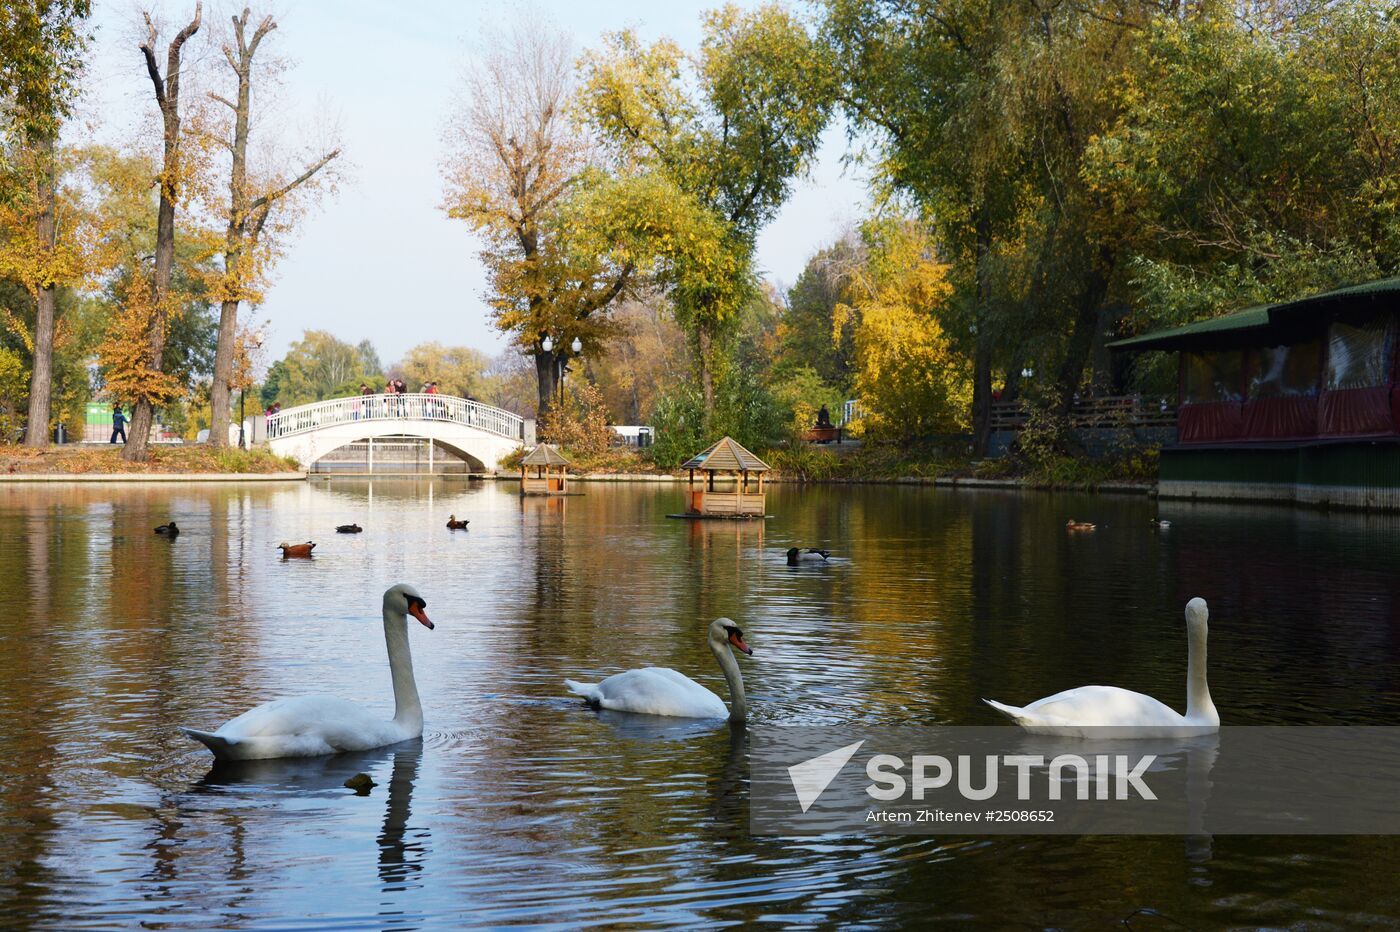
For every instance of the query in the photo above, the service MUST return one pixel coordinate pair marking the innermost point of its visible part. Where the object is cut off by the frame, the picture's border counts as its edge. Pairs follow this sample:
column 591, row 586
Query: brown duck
column 296, row 550
column 455, row 525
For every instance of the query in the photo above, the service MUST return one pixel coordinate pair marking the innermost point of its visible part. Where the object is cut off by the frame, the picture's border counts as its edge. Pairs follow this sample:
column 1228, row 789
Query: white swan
column 661, row 691
column 308, row 726
column 1075, row 711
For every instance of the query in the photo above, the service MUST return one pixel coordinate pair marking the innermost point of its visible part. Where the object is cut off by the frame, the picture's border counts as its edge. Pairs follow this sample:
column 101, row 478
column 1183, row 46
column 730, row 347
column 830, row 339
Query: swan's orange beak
column 416, row 610
column 737, row 640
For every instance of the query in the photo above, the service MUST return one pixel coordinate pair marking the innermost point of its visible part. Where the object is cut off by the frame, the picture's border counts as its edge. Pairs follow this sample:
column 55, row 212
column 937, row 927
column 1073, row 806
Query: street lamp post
column 243, row 392
column 547, row 344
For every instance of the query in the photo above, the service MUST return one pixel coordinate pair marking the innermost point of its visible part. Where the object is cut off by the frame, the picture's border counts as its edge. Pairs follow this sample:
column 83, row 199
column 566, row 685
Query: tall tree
column 247, row 211
column 153, row 315
column 41, row 46
column 731, row 127
column 518, row 163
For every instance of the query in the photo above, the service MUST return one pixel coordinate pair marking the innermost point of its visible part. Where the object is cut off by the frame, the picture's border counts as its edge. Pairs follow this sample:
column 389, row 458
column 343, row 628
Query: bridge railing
column 420, row 407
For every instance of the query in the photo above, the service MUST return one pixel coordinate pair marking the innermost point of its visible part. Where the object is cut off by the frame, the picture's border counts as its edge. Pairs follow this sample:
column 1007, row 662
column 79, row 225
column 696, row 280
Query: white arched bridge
column 474, row 432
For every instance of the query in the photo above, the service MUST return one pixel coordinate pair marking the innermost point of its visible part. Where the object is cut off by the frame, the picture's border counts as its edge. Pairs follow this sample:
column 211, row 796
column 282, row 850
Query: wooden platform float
column 731, row 466
column 550, row 470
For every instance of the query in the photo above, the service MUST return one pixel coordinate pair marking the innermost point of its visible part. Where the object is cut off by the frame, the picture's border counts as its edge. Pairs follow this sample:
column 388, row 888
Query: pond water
column 519, row 806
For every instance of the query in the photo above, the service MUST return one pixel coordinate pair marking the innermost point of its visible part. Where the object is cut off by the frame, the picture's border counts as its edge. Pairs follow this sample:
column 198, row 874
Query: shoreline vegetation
column 88, row 460
column 1134, row 468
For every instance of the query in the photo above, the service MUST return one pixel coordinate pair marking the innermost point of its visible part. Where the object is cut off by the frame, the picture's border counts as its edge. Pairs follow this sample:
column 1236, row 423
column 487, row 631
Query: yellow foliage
column 909, row 380
column 125, row 353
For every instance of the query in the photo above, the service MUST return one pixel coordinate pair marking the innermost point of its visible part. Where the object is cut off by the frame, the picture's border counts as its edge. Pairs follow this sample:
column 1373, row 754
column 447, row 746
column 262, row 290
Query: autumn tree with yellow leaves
column 729, row 128
column 256, row 195
column 145, row 321
column 41, row 46
column 910, row 381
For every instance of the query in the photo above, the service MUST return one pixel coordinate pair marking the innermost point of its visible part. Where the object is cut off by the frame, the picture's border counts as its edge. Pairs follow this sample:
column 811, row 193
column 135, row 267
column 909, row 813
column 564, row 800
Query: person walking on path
column 118, row 423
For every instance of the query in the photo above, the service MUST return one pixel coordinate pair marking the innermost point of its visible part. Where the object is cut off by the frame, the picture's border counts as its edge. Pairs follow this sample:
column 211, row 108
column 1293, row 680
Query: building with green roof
column 1296, row 401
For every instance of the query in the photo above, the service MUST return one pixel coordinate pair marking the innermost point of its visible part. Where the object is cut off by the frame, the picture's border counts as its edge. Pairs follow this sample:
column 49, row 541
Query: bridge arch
column 480, row 434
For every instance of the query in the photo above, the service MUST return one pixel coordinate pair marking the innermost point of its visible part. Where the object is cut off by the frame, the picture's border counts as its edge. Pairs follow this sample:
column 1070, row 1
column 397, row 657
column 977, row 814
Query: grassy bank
column 79, row 459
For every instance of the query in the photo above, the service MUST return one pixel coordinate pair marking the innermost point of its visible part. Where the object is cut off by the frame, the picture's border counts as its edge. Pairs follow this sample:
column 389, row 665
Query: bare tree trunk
column 1081, row 340
column 547, row 369
column 167, row 91
column 704, row 345
column 219, row 390
column 46, row 301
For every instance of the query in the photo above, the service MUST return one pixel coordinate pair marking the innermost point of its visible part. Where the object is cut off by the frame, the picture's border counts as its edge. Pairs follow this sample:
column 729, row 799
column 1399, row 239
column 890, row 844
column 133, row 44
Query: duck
column 1078, row 712
column 454, row 525
column 795, row 554
column 296, row 550
column 1159, row 524
column 1074, row 525
column 312, row 726
column 663, row 691
column 169, row 530
column 348, row 529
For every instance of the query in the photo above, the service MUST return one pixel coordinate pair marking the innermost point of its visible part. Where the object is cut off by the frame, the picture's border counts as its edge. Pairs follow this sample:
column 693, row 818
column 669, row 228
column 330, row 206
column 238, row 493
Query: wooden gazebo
column 732, row 466
column 544, row 471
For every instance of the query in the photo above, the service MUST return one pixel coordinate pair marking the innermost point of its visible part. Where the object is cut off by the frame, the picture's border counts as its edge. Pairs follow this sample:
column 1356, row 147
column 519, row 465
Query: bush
column 580, row 423
column 748, row 412
column 801, row 393
column 677, row 427
column 803, row 461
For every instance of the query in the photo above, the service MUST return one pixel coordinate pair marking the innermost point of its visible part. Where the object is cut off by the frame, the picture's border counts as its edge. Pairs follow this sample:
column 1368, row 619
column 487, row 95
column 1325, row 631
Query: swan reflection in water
column 1192, row 757
column 402, row 849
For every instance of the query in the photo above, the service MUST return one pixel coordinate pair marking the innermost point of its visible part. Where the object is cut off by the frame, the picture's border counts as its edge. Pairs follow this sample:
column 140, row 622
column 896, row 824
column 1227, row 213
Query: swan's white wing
column 659, row 691
column 304, row 726
column 1106, row 706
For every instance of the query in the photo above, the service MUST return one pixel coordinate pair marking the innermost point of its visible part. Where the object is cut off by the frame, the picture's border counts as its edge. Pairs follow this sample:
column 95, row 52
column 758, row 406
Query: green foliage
column 316, row 367
column 458, row 370
column 814, row 333
column 730, row 128
column 744, row 410
column 41, row 59
column 747, row 411
column 803, row 461
column 800, row 393
column 678, row 423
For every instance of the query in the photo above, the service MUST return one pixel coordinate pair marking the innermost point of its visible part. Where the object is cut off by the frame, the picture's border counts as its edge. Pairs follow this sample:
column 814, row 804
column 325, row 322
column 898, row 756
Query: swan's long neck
column 1198, row 704
column 738, row 708
column 408, row 712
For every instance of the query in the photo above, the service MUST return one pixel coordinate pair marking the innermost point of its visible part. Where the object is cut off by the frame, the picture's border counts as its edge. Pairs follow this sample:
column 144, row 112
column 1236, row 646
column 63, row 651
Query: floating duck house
column 720, row 483
column 1297, row 401
column 544, row 471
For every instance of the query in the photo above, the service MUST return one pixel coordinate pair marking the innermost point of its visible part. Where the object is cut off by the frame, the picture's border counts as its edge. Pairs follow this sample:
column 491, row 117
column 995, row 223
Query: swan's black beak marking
column 736, row 637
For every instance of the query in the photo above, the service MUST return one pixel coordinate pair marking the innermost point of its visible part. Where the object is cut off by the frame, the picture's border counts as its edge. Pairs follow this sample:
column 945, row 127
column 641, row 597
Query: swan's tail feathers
column 1016, row 715
column 216, row 743
column 588, row 691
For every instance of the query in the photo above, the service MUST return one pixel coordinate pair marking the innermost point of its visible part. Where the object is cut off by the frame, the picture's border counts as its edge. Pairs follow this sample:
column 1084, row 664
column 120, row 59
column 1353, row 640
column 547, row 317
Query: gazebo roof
column 726, row 456
column 545, row 455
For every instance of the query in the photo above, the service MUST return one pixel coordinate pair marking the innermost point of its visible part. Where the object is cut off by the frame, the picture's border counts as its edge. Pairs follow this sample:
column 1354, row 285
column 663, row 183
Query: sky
column 380, row 259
